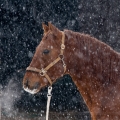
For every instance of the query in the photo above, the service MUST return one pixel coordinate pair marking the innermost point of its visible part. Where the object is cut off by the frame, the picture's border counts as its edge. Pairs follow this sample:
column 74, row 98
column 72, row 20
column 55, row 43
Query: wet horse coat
column 93, row 66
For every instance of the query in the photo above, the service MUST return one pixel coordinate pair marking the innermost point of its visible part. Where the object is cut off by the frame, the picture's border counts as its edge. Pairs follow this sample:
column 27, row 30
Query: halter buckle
column 62, row 46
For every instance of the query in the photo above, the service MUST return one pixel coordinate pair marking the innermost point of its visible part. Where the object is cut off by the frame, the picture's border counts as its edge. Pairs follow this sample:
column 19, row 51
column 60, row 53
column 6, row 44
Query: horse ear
column 45, row 28
column 55, row 30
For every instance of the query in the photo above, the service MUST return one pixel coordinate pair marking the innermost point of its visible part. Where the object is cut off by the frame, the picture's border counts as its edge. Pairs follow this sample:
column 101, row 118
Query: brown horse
column 93, row 66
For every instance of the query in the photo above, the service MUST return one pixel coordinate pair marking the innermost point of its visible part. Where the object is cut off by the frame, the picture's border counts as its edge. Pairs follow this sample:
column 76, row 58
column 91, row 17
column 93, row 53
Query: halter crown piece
column 43, row 71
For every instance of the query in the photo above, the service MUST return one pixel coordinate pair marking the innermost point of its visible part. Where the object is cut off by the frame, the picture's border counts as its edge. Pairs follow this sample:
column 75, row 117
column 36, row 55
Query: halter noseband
column 43, row 71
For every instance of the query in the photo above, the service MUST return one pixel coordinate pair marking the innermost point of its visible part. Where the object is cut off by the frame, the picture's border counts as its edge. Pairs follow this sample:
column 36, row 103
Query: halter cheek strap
column 43, row 71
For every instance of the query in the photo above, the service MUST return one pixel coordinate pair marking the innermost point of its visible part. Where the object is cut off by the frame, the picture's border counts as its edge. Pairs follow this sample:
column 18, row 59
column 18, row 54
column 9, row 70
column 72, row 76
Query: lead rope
column 49, row 95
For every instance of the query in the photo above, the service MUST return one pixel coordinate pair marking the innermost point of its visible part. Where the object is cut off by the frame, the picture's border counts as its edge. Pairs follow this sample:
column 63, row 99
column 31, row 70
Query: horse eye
column 46, row 51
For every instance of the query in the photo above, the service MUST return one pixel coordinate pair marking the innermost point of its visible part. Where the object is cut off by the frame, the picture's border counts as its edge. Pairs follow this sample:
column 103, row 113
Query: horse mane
column 101, row 57
column 87, row 39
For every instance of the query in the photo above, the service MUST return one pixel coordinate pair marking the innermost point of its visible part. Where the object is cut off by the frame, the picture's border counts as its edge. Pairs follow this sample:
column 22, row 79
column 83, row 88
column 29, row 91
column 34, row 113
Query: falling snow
column 21, row 32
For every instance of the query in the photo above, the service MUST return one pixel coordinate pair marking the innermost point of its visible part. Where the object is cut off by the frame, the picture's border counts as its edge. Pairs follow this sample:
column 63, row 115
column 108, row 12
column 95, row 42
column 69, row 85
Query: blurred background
column 20, row 33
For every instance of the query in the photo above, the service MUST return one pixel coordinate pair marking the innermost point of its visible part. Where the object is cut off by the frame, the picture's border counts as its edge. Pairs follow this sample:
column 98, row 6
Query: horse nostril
column 26, row 83
column 36, row 86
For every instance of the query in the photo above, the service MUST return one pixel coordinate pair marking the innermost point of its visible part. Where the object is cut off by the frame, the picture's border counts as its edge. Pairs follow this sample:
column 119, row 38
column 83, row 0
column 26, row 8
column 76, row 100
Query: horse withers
column 93, row 66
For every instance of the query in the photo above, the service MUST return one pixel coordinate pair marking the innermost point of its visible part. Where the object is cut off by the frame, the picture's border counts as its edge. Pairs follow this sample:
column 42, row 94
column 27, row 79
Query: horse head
column 48, row 61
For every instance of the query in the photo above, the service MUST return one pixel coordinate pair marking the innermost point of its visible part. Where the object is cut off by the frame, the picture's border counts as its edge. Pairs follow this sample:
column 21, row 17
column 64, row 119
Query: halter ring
column 43, row 72
column 61, row 56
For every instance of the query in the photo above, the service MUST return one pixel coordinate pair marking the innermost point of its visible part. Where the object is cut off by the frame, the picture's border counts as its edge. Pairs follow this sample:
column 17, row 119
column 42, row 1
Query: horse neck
column 90, row 62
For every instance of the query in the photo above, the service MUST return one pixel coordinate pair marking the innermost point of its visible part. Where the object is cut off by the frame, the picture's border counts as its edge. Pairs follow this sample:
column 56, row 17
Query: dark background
column 21, row 32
